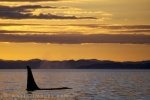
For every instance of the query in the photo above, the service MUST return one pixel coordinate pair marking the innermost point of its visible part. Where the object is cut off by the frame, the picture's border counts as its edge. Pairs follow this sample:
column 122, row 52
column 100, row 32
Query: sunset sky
column 117, row 30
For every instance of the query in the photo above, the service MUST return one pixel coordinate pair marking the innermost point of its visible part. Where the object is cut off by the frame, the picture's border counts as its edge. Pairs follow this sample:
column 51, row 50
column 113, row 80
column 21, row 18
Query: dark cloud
column 25, row 12
column 127, row 27
column 15, row 24
column 76, row 38
column 8, row 32
column 116, row 27
column 23, row 8
column 134, row 31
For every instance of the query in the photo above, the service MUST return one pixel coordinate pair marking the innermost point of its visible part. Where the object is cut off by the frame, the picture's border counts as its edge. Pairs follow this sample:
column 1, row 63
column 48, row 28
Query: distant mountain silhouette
column 73, row 64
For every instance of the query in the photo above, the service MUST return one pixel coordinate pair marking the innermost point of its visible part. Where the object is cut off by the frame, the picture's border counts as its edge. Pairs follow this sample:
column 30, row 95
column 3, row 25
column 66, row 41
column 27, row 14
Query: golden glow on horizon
column 115, row 52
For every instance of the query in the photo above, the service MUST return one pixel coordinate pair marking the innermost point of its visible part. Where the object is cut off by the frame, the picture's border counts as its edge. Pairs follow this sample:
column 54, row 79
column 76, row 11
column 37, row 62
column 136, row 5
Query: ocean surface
column 85, row 84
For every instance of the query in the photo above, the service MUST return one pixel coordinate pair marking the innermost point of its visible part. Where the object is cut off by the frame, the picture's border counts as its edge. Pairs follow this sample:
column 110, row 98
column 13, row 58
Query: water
column 86, row 84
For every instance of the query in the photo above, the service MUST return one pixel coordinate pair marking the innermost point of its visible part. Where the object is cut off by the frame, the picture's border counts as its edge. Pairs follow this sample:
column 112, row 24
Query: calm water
column 86, row 84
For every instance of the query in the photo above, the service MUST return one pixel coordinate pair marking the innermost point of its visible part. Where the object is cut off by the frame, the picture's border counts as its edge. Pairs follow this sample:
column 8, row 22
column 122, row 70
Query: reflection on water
column 86, row 84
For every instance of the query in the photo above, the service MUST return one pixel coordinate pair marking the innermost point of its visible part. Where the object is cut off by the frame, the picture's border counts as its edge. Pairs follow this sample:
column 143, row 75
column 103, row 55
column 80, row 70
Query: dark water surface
column 86, row 84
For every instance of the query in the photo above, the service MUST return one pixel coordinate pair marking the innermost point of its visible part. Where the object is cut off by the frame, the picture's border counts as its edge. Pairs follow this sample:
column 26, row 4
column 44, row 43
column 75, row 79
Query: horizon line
column 75, row 60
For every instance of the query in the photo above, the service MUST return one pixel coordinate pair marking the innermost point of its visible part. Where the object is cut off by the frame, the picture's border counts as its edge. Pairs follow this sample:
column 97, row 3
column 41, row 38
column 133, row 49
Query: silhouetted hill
column 72, row 64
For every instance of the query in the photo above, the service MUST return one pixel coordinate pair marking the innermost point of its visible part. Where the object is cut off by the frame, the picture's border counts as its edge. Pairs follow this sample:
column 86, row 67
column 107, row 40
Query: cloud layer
column 25, row 12
column 76, row 38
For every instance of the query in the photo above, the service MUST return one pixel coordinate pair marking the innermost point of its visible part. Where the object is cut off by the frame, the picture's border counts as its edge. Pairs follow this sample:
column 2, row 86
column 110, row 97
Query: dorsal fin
column 31, row 85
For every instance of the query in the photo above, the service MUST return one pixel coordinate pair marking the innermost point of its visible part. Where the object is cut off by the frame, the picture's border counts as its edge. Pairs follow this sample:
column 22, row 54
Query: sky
column 117, row 30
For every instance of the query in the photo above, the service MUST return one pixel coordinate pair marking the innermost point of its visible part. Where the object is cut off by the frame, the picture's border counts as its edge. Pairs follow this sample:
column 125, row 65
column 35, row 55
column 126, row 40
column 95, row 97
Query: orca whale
column 32, row 86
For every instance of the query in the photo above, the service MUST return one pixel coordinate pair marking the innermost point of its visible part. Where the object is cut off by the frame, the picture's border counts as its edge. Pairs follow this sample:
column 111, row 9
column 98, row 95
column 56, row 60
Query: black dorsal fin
column 31, row 85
